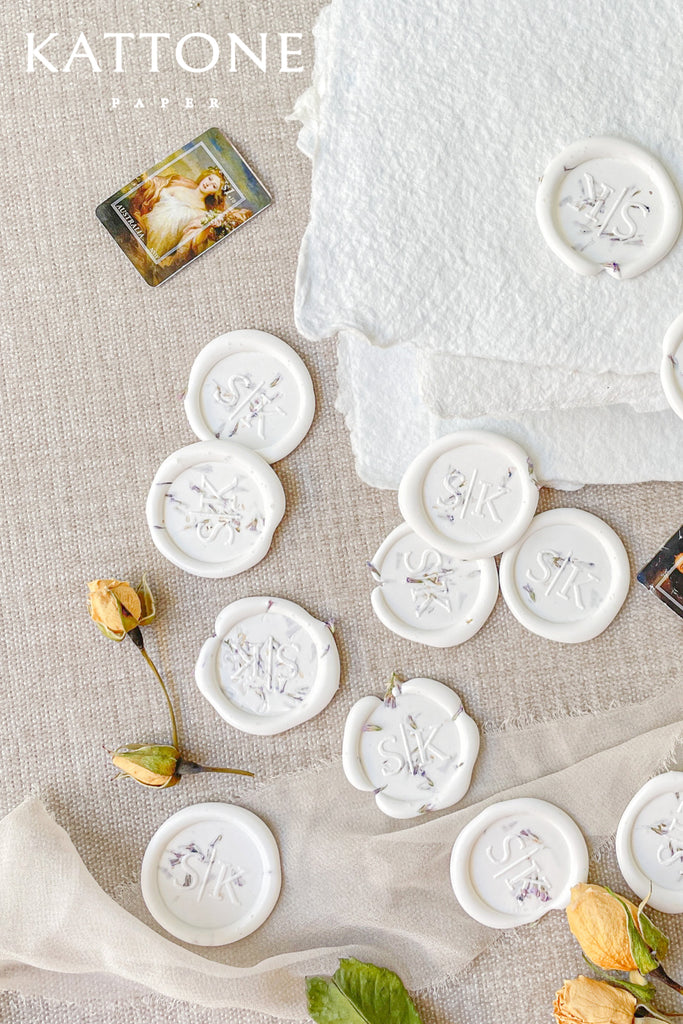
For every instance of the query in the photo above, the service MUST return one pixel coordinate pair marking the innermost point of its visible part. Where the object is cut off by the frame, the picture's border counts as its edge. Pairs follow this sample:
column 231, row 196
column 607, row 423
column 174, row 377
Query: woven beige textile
column 94, row 364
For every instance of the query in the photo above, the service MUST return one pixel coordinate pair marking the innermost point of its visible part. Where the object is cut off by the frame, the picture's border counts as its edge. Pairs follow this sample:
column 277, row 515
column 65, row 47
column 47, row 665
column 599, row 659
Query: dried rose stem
column 660, row 973
column 136, row 636
column 192, row 768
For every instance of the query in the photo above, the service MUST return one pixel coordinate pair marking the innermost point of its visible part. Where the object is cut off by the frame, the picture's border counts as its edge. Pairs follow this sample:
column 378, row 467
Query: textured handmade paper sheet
column 93, row 366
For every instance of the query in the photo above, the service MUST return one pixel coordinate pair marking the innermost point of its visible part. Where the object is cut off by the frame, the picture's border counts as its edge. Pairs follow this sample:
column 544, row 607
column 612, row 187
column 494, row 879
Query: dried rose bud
column 616, row 935
column 116, row 607
column 148, row 765
column 585, row 1001
column 161, row 766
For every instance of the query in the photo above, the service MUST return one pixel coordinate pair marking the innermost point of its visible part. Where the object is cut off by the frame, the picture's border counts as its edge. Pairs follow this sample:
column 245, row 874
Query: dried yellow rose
column 598, row 921
column 586, row 1001
column 116, row 607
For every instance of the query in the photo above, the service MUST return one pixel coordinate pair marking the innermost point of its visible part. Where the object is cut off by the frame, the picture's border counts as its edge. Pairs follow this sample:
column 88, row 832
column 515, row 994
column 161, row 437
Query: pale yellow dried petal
column 114, row 604
column 598, row 922
column 587, row 1001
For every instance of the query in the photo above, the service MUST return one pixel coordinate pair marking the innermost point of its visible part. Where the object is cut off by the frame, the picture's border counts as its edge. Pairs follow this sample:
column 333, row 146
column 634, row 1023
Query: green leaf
column 640, row 951
column 655, row 939
column 643, row 993
column 148, row 606
column 360, row 993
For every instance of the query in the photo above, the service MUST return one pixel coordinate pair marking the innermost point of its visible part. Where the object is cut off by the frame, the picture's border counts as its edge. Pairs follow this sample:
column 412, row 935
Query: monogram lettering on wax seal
column 517, row 860
column 213, row 507
column 211, row 874
column 415, row 750
column 251, row 387
column 567, row 577
column 268, row 666
column 470, row 495
column 650, row 843
column 606, row 204
column 424, row 595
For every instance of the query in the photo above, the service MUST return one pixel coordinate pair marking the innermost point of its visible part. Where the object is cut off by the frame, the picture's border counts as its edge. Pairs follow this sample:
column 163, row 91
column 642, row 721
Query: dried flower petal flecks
column 616, row 935
column 118, row 610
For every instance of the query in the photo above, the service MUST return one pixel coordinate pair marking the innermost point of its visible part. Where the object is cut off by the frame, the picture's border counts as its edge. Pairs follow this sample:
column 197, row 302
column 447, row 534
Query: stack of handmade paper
column 428, row 131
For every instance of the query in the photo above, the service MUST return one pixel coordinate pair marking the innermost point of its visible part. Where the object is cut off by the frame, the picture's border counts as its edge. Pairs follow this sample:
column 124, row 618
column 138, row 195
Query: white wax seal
column 211, row 874
column 650, row 842
column 672, row 366
column 213, row 507
column 268, row 666
column 415, row 750
column 251, row 387
column 606, row 204
column 517, row 860
column 424, row 595
column 470, row 494
column 567, row 577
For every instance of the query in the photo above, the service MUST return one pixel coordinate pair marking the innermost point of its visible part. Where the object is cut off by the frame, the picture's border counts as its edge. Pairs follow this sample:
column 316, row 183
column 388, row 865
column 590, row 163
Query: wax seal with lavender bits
column 470, row 495
column 414, row 750
column 429, row 597
column 567, row 577
column 268, row 666
column 251, row 387
column 650, row 843
column 517, row 860
column 213, row 507
column 605, row 204
column 672, row 366
column 211, row 874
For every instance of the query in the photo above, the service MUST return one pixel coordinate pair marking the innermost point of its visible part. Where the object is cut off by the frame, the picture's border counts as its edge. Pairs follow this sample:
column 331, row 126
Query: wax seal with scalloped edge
column 471, row 494
column 650, row 843
column 607, row 204
column 268, row 666
column 672, row 366
column 567, row 577
column 415, row 750
column 211, row 874
column 426, row 596
column 517, row 860
column 251, row 387
column 213, row 507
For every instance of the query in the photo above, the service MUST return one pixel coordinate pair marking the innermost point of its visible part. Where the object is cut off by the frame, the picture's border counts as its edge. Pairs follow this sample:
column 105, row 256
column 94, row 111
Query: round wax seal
column 606, row 204
column 211, row 874
column 470, row 494
column 672, row 366
column 423, row 595
column 650, row 842
column 213, row 508
column 567, row 577
column 269, row 665
column 251, row 387
column 415, row 750
column 517, row 860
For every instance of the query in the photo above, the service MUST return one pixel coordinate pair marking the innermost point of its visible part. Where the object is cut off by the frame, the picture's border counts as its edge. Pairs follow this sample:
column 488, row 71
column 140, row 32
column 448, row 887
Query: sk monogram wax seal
column 567, row 577
column 606, row 204
column 517, row 860
column 213, row 508
column 426, row 596
column 672, row 366
column 470, row 494
column 211, row 874
column 251, row 387
column 650, row 842
column 415, row 750
column 269, row 665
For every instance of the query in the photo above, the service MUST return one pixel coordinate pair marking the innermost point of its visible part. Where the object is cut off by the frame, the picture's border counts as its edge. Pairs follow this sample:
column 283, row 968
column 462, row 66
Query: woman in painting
column 182, row 217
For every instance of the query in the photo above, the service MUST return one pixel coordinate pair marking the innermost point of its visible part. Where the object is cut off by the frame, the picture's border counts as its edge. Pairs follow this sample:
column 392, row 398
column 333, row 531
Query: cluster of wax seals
column 564, row 574
column 604, row 204
column 213, row 506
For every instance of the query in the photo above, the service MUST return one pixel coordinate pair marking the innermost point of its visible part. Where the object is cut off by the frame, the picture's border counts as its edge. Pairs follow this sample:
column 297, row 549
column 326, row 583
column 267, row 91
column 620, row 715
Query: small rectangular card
column 182, row 206
column 663, row 575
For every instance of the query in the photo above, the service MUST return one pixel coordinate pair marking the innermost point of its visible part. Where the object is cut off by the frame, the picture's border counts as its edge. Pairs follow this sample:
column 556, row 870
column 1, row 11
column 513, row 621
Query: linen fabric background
column 94, row 364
